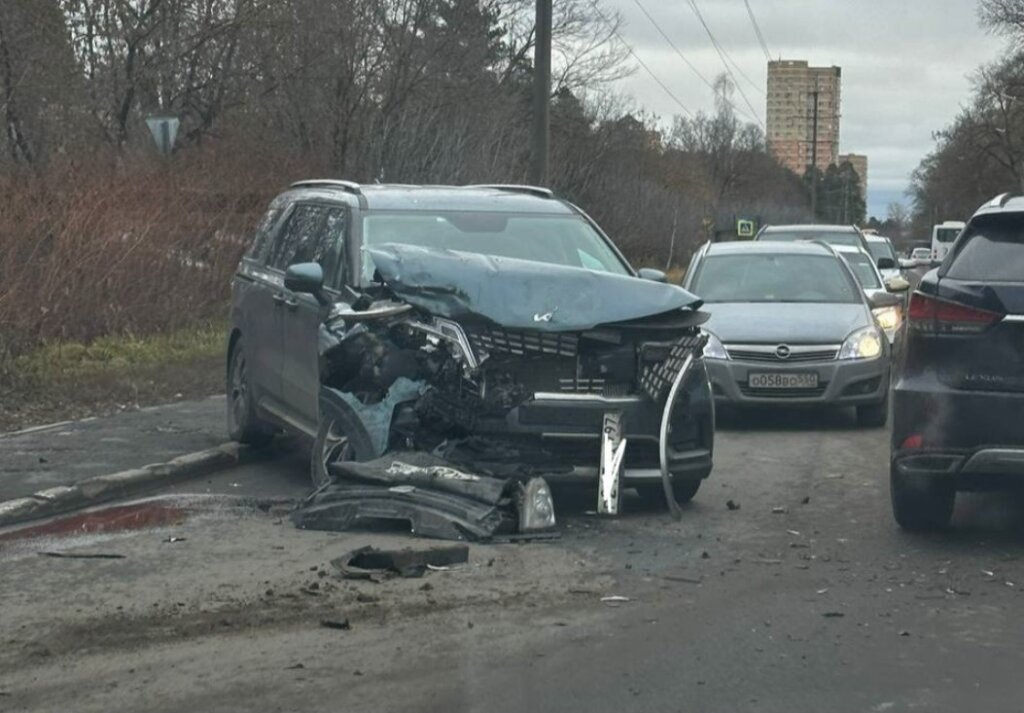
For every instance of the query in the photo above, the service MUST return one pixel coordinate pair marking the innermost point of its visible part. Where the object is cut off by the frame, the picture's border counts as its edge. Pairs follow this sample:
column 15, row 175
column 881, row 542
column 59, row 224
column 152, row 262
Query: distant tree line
column 270, row 91
column 981, row 154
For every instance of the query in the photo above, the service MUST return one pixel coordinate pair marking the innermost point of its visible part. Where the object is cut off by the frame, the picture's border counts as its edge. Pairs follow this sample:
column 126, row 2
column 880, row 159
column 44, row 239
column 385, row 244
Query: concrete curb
column 114, row 486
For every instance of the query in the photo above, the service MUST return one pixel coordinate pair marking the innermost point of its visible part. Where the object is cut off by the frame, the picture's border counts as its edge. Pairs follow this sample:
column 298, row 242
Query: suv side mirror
column 649, row 273
column 886, row 263
column 884, row 299
column 307, row 277
column 897, row 283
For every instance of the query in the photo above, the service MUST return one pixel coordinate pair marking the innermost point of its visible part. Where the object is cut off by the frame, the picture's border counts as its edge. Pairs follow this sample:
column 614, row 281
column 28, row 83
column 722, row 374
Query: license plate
column 783, row 380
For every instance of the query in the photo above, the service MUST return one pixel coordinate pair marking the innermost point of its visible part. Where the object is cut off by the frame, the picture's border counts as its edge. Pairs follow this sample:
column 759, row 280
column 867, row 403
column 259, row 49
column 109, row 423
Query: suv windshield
column 992, row 250
column 558, row 240
column 832, row 237
column 773, row 278
column 862, row 267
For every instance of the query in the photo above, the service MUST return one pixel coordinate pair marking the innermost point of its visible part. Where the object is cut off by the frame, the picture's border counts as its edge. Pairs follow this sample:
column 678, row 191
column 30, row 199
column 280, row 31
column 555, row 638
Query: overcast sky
column 905, row 66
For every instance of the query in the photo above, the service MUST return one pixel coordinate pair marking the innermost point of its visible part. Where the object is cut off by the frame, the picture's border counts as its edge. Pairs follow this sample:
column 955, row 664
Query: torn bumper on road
column 488, row 373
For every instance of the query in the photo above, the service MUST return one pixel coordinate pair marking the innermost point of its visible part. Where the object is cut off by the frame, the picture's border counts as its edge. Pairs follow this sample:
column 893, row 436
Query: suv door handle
column 279, row 299
column 291, row 304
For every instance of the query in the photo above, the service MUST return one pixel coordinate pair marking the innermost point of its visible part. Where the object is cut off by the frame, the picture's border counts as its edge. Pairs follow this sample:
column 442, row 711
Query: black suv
column 378, row 318
column 958, row 403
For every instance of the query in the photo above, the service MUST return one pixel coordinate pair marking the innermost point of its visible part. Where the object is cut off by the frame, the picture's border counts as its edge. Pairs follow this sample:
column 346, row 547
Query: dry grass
column 93, row 250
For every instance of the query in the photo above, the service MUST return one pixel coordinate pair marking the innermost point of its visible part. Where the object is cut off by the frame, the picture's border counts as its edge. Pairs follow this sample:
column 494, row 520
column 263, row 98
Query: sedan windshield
column 832, row 237
column 773, row 278
column 881, row 248
column 863, row 269
column 558, row 240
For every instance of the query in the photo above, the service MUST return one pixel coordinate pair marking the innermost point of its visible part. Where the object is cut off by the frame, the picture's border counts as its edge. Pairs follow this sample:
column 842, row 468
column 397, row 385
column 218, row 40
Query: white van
column 943, row 236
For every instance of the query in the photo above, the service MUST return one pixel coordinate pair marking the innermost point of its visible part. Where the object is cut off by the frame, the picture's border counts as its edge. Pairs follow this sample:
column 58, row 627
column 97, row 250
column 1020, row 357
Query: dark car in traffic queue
column 374, row 317
column 958, row 401
column 791, row 325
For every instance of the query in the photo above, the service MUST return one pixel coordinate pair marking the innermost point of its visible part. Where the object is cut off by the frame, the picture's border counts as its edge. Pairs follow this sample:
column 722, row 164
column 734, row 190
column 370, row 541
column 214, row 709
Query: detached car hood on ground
column 784, row 322
column 521, row 294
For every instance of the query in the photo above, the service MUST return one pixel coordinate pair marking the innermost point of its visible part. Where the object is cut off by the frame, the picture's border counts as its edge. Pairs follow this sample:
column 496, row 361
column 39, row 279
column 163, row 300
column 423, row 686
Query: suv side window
column 264, row 231
column 297, row 241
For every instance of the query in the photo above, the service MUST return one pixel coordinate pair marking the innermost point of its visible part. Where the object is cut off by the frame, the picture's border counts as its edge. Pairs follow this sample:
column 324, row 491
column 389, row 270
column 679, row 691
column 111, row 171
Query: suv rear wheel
column 243, row 424
column 921, row 502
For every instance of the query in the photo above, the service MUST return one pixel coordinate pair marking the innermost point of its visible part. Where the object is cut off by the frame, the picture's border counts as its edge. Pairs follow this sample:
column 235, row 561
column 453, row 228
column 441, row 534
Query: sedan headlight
column 865, row 343
column 714, row 349
column 888, row 317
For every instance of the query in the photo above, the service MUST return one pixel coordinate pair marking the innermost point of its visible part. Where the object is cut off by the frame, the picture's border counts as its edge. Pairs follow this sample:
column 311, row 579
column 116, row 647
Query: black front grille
column 507, row 341
column 765, row 356
column 656, row 379
column 783, row 393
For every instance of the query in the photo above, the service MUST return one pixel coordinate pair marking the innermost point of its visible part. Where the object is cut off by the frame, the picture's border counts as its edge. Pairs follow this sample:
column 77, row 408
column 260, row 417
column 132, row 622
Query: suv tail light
column 935, row 316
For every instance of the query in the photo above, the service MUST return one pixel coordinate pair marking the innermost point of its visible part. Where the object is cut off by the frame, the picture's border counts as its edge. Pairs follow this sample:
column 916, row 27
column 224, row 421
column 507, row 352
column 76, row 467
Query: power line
column 687, row 62
column 721, row 56
column 629, row 48
column 724, row 52
column 757, row 31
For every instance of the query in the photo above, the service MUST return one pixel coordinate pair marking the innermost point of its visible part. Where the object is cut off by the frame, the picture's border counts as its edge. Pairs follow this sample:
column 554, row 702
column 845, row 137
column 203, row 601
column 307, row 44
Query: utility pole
column 814, row 154
column 541, row 95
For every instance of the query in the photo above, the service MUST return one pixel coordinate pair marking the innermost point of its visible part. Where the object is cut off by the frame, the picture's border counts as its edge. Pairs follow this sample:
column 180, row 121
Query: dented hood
column 521, row 294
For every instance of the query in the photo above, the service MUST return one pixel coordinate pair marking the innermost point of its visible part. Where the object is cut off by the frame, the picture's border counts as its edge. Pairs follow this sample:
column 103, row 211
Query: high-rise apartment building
column 792, row 88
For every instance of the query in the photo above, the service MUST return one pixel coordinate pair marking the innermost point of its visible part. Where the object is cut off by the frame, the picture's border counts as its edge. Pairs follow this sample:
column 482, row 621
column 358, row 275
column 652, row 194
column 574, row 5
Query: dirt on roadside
column 123, row 388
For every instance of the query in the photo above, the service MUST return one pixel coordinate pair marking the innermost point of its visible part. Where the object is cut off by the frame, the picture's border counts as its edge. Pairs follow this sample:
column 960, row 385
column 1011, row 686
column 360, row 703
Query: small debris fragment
column 732, row 504
column 294, row 667
column 822, row 591
column 469, row 625
column 704, row 555
column 794, row 533
column 806, row 499
column 988, row 573
column 904, row 633
column 369, row 598
column 833, row 615
column 340, row 624
column 681, row 578
column 615, row 599
column 173, row 539
column 779, row 510
column 357, row 672
column 426, row 587
column 84, row 555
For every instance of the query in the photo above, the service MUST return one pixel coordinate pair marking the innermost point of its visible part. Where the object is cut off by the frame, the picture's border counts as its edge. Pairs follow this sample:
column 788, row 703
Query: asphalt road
column 805, row 598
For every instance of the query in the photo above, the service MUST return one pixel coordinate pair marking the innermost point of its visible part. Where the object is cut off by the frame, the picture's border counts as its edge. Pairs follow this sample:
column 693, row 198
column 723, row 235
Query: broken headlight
column 714, row 349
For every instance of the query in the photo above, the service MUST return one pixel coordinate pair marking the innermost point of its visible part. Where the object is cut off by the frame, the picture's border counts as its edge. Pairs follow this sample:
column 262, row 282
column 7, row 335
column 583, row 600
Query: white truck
column 943, row 236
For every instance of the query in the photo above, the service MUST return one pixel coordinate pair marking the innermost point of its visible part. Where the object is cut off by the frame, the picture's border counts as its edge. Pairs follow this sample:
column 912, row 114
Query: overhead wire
column 632, row 52
column 757, row 31
column 721, row 56
column 686, row 61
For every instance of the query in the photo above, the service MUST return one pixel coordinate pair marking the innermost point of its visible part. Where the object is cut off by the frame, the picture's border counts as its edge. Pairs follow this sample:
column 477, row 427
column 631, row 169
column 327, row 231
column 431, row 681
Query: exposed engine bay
column 478, row 361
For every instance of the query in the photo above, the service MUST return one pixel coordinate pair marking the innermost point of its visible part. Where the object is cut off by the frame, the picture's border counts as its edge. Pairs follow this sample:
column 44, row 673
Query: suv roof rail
column 538, row 191
column 350, row 186
column 999, row 201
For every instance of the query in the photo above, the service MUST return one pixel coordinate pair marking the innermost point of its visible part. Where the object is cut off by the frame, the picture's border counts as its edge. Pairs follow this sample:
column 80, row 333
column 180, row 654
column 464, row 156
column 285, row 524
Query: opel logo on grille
column 782, row 351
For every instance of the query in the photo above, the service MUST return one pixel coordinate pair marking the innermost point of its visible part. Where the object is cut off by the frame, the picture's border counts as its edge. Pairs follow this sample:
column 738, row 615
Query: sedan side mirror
column 897, row 283
column 886, row 263
column 649, row 273
column 308, row 278
column 884, row 299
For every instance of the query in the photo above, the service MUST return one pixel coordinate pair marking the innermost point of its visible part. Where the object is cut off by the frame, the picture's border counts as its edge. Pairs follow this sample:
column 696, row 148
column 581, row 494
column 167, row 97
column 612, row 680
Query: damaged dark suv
column 496, row 326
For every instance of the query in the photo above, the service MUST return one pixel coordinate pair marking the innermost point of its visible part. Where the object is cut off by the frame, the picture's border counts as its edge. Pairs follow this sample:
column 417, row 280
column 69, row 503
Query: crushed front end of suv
column 452, row 350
